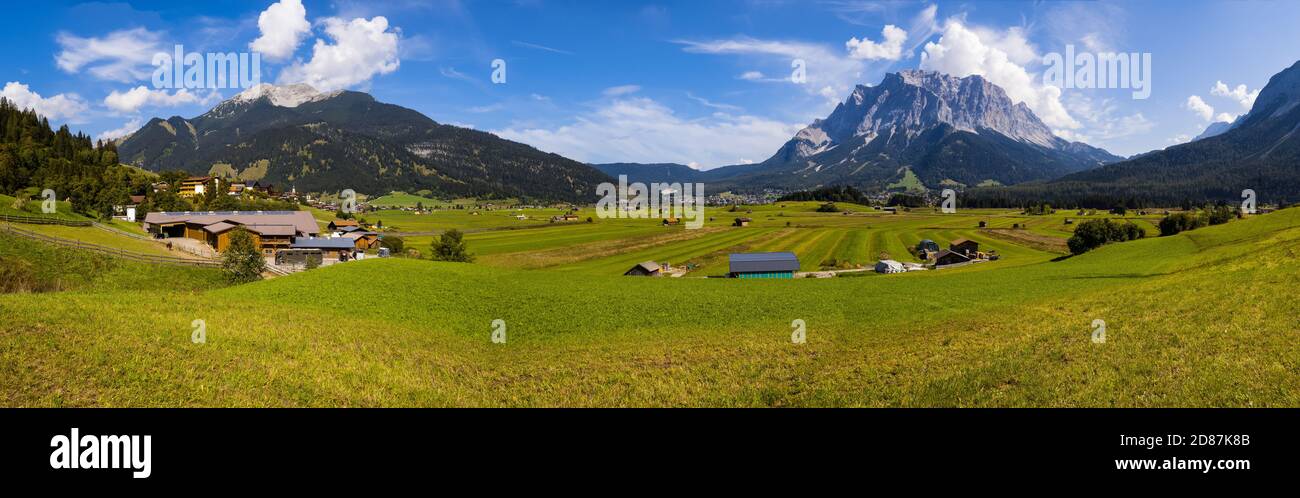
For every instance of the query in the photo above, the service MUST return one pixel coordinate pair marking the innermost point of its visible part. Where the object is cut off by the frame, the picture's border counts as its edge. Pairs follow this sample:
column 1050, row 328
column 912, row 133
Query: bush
column 242, row 261
column 829, row 207
column 450, row 246
column 395, row 244
column 1180, row 222
column 1092, row 234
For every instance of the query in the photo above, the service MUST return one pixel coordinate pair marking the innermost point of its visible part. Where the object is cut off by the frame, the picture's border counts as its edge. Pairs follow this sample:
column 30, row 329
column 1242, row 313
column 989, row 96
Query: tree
column 1092, row 234
column 450, row 246
column 242, row 261
column 395, row 244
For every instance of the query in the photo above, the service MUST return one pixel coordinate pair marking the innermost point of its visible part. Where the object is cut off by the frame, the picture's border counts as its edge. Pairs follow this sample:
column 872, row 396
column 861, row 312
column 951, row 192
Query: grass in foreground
column 1200, row 319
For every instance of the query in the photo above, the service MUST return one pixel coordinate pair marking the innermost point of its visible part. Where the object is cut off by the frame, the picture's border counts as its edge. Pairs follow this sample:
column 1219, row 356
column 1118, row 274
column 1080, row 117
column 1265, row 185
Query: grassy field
column 1200, row 319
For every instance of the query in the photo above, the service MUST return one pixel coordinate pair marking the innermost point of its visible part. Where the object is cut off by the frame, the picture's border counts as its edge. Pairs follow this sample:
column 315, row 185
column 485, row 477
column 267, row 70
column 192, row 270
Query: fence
column 110, row 251
column 41, row 220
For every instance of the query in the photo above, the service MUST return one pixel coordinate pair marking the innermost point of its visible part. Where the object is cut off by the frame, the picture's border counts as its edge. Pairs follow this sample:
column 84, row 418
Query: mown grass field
column 1204, row 318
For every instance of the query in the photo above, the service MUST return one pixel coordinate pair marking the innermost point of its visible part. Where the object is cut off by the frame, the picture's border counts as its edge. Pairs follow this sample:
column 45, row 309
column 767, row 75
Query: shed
column 964, row 246
column 646, row 269
column 742, row 222
column 339, row 248
column 949, row 258
column 763, row 265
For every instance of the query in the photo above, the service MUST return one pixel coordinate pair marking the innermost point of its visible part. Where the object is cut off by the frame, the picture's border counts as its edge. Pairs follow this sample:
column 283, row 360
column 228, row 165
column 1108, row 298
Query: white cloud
column 1198, row 106
column 134, row 99
column 1225, row 117
column 1243, row 96
column 1102, row 120
column 362, row 49
column 751, row 76
column 283, row 26
column 889, row 48
column 126, row 129
column 825, row 68
column 642, row 130
column 122, row 56
column 708, row 103
column 621, row 90
column 962, row 52
column 64, row 106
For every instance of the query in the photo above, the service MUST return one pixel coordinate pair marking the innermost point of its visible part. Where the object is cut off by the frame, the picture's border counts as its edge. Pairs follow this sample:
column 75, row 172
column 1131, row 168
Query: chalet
column 337, row 225
column 646, row 269
column 336, row 248
column 763, row 265
column 271, row 230
column 950, row 258
column 889, row 266
column 742, row 222
column 195, row 185
column 927, row 245
column 966, row 247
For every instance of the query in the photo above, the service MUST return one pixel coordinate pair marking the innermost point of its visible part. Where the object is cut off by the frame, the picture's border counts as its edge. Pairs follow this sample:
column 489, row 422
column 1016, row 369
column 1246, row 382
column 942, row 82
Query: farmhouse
column 889, row 266
column 271, row 230
column 337, row 248
column 967, row 247
column 646, row 269
column 950, row 258
column 763, row 265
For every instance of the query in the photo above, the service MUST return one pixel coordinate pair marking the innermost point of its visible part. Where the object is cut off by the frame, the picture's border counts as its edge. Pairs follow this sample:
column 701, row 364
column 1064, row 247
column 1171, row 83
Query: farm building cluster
column 291, row 237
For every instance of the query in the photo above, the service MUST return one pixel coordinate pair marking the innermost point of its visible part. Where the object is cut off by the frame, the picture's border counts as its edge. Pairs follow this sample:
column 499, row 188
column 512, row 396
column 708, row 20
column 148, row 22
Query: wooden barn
column 763, row 265
column 646, row 269
column 965, row 247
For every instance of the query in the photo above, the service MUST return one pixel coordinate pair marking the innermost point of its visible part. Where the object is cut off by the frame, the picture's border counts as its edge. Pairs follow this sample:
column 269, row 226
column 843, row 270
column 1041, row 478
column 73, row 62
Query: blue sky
column 701, row 83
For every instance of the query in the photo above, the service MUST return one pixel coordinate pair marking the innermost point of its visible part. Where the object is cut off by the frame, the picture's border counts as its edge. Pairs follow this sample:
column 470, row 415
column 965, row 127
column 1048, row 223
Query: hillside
column 1260, row 151
column 295, row 136
column 1014, row 335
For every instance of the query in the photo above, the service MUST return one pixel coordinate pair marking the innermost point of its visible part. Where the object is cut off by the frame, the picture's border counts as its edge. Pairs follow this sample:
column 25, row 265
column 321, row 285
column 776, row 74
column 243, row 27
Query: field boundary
column 109, row 251
column 41, row 220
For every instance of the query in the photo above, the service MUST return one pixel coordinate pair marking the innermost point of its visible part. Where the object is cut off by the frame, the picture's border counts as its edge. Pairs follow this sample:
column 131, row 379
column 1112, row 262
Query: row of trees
column 1190, row 220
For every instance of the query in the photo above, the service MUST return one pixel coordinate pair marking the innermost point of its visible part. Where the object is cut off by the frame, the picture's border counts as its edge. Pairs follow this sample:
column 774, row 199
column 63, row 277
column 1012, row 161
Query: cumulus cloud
column 362, row 49
column 134, row 99
column 889, row 48
column 64, row 106
column 283, row 26
column 1198, row 106
column 1103, row 120
column 643, row 130
column 122, row 56
column 126, row 129
column 961, row 52
column 1240, row 94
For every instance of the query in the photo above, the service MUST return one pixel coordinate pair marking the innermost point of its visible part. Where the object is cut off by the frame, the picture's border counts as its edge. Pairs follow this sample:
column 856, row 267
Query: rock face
column 943, row 129
column 295, row 136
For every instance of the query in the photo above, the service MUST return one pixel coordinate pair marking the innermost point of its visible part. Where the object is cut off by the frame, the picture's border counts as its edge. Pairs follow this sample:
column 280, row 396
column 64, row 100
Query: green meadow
column 1204, row 318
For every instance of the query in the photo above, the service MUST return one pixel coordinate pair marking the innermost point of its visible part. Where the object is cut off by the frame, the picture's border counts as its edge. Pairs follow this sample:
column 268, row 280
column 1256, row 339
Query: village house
column 195, row 186
column 271, row 230
column 127, row 211
column 338, row 225
column 362, row 239
column 646, row 269
column 763, row 265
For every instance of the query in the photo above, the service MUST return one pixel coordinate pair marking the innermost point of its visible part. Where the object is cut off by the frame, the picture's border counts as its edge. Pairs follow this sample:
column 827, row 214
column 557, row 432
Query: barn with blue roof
column 763, row 265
